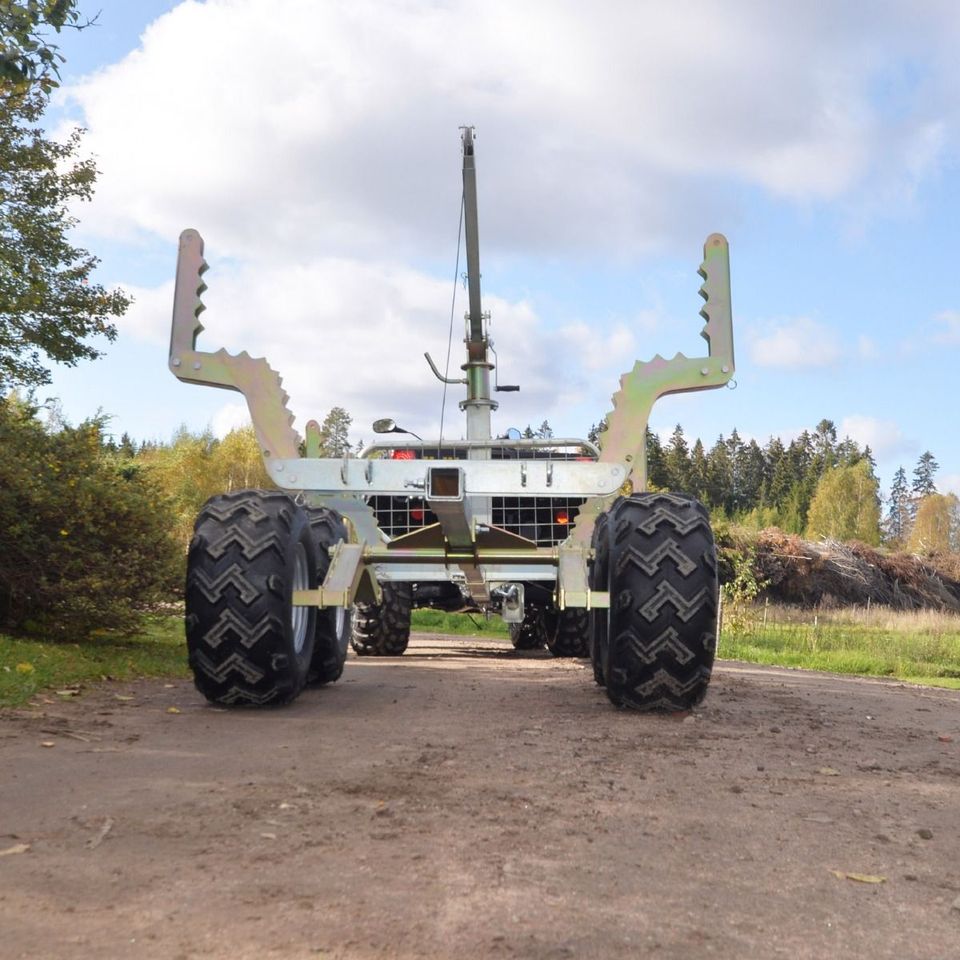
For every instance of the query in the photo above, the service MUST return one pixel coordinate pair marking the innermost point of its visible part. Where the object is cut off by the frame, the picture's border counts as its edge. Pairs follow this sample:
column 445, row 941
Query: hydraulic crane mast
column 478, row 404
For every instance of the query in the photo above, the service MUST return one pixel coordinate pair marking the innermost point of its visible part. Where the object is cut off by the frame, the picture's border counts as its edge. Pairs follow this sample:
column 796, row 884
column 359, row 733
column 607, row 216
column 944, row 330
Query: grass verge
column 29, row 666
column 460, row 624
column 921, row 647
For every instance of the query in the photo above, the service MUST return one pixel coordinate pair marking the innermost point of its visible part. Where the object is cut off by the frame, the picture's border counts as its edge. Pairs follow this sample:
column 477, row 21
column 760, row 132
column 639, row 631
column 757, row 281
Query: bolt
column 279, row 467
column 196, row 364
column 725, row 368
column 176, row 361
column 704, row 370
column 292, row 478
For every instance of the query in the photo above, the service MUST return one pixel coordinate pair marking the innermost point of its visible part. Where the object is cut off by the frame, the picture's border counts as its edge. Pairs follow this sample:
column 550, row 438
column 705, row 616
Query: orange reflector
column 562, row 518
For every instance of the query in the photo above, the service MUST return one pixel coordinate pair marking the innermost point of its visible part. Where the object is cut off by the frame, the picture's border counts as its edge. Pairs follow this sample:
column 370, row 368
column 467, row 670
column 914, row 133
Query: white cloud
column 867, row 348
column 351, row 333
column 614, row 350
column 229, row 417
column 795, row 343
column 148, row 318
column 884, row 437
column 946, row 328
column 602, row 130
column 315, row 147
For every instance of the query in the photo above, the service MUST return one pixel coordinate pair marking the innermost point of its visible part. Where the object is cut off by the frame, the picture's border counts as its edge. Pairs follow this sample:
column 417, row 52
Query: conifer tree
column 898, row 521
column 656, row 463
column 923, row 475
column 677, row 461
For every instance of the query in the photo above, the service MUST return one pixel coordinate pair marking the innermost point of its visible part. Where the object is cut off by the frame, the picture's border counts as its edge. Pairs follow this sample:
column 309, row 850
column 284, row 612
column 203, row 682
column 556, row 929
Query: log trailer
column 559, row 537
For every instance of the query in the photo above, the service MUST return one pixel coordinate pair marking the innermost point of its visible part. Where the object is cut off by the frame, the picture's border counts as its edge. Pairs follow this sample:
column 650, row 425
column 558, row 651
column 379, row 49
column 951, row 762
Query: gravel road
column 469, row 801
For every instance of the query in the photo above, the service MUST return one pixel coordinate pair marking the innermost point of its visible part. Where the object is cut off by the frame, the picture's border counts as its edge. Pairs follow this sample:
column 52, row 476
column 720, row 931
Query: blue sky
column 316, row 148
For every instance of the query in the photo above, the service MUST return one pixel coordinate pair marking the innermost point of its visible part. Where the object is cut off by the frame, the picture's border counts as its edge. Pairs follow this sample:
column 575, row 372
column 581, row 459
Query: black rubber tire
column 599, row 580
column 333, row 624
column 530, row 634
column 662, row 628
column 241, row 636
column 383, row 629
column 567, row 632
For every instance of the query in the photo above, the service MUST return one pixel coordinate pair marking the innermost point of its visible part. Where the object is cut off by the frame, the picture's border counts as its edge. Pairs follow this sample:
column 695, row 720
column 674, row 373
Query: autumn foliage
column 85, row 536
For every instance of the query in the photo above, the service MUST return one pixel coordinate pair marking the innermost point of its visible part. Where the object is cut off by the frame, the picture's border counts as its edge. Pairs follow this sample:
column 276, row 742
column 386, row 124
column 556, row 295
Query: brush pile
column 830, row 573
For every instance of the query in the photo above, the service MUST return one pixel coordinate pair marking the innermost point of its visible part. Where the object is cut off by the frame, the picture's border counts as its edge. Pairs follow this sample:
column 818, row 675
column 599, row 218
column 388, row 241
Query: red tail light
column 403, row 455
column 416, row 514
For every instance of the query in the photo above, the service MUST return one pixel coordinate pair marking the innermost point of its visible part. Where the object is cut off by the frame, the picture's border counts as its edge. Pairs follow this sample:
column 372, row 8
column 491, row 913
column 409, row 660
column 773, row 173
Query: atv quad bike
column 557, row 536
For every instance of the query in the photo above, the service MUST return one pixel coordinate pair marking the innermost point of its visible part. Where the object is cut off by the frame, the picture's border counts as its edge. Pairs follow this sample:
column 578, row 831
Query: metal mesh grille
column 399, row 515
column 539, row 519
column 545, row 520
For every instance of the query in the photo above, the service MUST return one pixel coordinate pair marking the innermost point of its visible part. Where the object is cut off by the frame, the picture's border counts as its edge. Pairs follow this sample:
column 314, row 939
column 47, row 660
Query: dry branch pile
column 831, row 573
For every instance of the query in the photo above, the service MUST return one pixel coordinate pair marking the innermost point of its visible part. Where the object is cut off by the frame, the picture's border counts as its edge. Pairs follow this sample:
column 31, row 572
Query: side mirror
column 386, row 425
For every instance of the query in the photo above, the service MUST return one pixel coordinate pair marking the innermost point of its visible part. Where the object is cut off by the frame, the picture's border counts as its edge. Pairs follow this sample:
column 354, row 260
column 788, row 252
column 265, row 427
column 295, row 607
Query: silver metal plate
column 483, row 478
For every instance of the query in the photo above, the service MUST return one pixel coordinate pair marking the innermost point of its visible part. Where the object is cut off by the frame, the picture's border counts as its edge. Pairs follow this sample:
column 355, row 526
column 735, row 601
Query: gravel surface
column 469, row 801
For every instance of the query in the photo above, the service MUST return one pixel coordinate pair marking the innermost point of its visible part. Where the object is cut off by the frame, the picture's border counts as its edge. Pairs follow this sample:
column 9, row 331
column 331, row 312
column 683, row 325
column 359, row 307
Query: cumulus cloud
column 616, row 349
column 315, row 147
column 351, row 333
column 148, row 318
column 867, row 348
column 946, row 328
column 606, row 130
column 795, row 343
column 229, row 417
column 884, row 437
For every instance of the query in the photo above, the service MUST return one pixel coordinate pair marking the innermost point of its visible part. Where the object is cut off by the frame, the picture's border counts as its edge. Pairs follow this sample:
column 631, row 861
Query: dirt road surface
column 468, row 801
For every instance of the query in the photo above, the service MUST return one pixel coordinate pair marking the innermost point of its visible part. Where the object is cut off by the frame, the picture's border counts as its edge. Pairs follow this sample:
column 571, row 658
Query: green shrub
column 85, row 543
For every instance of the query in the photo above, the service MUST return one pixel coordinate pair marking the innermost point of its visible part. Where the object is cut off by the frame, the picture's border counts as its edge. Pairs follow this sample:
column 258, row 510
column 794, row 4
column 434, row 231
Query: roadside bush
column 85, row 535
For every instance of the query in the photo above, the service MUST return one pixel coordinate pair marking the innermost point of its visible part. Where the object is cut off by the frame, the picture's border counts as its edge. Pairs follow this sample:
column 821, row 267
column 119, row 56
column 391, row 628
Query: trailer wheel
column 332, row 635
column 662, row 625
column 247, row 643
column 567, row 632
column 530, row 634
column 599, row 580
column 383, row 629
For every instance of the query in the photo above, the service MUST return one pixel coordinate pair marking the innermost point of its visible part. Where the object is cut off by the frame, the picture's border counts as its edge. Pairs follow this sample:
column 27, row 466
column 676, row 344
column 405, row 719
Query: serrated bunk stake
column 624, row 439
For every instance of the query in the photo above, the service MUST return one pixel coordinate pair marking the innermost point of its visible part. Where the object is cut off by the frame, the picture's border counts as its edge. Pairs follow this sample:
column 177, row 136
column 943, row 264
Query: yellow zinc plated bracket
column 625, row 438
column 347, row 579
column 251, row 376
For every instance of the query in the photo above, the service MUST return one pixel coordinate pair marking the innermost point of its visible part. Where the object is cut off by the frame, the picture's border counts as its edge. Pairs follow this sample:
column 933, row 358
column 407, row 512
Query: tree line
column 93, row 531
column 815, row 485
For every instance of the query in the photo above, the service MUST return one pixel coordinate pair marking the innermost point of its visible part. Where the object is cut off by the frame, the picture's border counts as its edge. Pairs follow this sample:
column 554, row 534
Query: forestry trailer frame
column 557, row 536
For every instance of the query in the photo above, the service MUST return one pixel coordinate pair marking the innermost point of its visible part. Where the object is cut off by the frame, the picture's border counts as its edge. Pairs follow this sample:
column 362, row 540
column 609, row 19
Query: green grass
column 921, row 647
column 30, row 666
column 460, row 624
